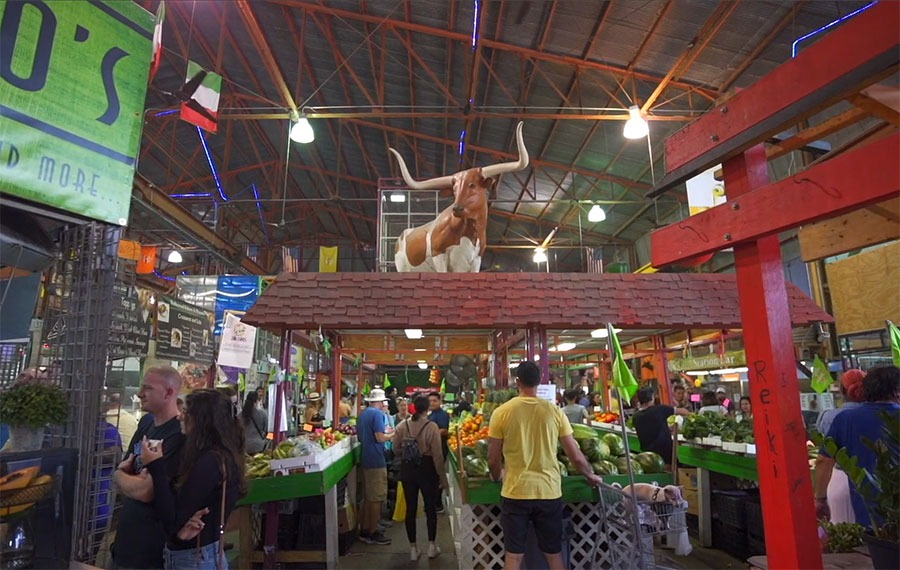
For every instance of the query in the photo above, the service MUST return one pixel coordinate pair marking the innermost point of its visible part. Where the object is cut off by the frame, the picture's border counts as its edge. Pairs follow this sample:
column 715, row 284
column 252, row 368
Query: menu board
column 184, row 332
column 129, row 330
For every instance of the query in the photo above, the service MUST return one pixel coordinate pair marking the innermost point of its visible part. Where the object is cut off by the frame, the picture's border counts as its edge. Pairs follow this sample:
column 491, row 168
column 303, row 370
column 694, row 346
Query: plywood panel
column 364, row 341
column 473, row 343
column 865, row 289
column 876, row 224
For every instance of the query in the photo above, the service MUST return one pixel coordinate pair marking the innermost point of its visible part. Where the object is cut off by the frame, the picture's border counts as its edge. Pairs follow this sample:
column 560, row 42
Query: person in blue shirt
column 373, row 433
column 881, row 388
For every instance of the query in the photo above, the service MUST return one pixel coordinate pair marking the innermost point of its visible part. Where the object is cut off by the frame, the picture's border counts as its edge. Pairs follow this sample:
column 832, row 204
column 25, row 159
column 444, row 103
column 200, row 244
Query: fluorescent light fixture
column 398, row 197
column 174, row 257
column 302, row 131
column 738, row 370
column 422, row 364
column 697, row 373
column 540, row 255
column 413, row 334
column 420, row 349
column 596, row 214
column 636, row 127
column 563, row 346
column 602, row 333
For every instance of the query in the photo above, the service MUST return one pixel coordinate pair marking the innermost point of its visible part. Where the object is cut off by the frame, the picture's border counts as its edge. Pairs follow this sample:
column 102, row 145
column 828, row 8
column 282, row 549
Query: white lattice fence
column 479, row 537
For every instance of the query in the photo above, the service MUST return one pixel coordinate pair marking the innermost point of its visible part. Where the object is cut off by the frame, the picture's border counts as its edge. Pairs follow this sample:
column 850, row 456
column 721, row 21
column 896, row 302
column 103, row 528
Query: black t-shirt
column 653, row 431
column 462, row 407
column 140, row 537
column 202, row 489
column 392, row 406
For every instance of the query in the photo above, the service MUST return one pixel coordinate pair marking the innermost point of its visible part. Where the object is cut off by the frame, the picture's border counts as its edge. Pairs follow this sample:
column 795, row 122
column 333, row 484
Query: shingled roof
column 301, row 301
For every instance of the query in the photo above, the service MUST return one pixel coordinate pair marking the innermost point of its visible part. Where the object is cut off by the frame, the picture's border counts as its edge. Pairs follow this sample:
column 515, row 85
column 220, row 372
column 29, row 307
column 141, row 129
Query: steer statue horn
column 455, row 240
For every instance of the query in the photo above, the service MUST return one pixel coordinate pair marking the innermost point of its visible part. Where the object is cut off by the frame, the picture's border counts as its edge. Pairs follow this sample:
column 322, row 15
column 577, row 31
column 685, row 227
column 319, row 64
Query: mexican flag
column 203, row 108
column 821, row 378
column 157, row 40
column 623, row 379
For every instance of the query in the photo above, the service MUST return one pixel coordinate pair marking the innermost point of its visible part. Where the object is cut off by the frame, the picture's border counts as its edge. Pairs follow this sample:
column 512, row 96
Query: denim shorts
column 203, row 558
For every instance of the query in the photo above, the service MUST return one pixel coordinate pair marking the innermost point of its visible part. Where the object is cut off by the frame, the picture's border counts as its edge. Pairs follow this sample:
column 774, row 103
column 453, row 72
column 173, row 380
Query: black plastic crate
column 755, row 526
column 341, row 489
column 731, row 540
column 311, row 532
column 345, row 541
column 728, row 507
column 693, row 525
column 756, row 546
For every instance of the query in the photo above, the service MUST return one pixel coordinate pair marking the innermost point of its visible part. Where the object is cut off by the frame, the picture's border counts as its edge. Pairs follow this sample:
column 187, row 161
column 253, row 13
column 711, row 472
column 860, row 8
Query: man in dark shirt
column 650, row 423
column 437, row 414
column 140, row 537
column 391, row 393
column 462, row 406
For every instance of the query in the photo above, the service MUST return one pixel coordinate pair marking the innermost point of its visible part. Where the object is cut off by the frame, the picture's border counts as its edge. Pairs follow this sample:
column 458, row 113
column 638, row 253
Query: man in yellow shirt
column 523, row 435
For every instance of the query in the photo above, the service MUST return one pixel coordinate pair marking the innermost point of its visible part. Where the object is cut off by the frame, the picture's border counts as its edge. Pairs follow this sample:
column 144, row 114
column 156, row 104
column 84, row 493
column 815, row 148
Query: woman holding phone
column 209, row 482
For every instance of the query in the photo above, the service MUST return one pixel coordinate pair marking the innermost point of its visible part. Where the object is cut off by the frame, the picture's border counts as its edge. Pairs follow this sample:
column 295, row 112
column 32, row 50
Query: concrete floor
column 364, row 556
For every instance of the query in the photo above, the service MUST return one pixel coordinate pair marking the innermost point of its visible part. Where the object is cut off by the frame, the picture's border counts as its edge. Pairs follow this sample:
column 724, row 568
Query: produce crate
column 755, row 526
column 731, row 540
column 728, row 507
column 687, row 478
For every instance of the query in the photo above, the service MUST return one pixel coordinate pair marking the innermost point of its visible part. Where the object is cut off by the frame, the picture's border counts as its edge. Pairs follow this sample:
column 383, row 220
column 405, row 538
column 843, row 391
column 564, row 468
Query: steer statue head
column 455, row 240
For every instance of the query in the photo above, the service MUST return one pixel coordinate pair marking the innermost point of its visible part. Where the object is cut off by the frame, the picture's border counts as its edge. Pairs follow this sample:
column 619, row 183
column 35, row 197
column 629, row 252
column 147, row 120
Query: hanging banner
column 73, row 79
column 147, row 261
column 328, row 259
column 708, row 361
column 183, row 332
column 238, row 341
column 132, row 321
column 235, row 294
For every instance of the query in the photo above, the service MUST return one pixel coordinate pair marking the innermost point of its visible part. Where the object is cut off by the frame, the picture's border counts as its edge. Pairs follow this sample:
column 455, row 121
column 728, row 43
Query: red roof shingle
column 508, row 300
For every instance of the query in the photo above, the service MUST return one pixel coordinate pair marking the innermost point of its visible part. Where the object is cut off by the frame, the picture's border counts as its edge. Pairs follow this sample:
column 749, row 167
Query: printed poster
column 184, row 332
column 238, row 342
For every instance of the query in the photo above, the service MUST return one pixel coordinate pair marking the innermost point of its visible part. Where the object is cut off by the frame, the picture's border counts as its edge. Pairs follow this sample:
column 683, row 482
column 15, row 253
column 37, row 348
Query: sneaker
column 441, row 509
column 414, row 553
column 377, row 538
column 386, row 523
column 433, row 550
column 364, row 536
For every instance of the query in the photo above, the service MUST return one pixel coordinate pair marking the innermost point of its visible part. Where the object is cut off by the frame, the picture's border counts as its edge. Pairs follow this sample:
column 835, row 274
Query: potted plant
column 28, row 408
column 880, row 489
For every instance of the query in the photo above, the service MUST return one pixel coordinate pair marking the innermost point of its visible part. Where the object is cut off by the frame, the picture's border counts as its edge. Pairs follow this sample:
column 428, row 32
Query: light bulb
column 564, row 346
column 423, row 365
column 302, row 131
column 596, row 214
column 602, row 333
column 174, row 257
column 636, row 127
column 540, row 255
column 398, row 197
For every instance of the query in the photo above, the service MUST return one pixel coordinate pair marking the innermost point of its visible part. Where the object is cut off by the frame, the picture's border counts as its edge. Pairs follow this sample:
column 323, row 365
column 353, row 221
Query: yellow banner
column 328, row 259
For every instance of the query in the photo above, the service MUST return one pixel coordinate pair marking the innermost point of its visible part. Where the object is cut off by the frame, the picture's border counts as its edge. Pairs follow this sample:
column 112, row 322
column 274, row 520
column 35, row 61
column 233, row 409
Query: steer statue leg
column 456, row 239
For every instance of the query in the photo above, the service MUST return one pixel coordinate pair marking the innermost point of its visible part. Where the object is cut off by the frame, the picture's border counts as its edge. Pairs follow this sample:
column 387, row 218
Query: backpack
column 412, row 456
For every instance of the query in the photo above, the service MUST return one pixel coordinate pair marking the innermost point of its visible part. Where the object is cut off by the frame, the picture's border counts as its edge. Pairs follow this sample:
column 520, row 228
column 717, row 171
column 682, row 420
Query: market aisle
column 364, row 556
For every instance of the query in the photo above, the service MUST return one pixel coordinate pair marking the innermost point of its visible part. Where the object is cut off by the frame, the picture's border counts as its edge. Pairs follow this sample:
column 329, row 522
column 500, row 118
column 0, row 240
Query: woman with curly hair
column 210, row 480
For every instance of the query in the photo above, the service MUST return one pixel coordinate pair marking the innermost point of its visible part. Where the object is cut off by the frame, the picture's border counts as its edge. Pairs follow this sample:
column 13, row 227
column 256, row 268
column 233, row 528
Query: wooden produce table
column 271, row 489
column 475, row 518
column 708, row 460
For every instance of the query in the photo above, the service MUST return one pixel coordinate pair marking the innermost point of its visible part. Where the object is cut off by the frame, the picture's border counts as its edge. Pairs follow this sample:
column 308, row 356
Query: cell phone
column 138, row 463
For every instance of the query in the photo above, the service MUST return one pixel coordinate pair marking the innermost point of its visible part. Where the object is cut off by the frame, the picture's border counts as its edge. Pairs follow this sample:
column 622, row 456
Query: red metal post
column 661, row 368
column 336, row 382
column 545, row 355
column 529, row 343
column 784, row 481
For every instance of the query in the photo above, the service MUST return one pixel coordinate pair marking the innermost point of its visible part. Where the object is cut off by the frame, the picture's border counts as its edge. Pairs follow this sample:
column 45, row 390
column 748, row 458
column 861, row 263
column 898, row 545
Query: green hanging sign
column 73, row 79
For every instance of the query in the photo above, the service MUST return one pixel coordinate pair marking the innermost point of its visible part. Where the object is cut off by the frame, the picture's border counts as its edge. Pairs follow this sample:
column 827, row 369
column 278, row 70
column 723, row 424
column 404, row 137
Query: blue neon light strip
column 169, row 112
column 212, row 165
column 462, row 143
column 262, row 219
column 827, row 26
column 161, row 276
column 475, row 24
column 191, row 195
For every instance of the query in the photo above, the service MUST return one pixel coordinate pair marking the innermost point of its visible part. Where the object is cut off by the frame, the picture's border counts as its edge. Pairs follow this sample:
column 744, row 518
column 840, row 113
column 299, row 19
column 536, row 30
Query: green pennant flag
column 387, row 382
column 366, row 389
column 443, row 387
column 357, row 362
column 327, row 344
column 623, row 379
column 894, row 335
column 242, row 382
column 821, row 378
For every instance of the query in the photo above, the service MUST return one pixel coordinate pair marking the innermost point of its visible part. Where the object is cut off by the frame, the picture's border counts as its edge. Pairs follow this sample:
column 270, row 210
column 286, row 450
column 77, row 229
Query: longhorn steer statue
column 455, row 240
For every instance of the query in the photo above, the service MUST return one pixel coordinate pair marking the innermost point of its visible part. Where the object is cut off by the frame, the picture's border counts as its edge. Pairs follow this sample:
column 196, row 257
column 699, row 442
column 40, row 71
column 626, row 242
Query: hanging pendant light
column 174, row 257
column 636, row 127
column 540, row 255
column 302, row 131
column 596, row 214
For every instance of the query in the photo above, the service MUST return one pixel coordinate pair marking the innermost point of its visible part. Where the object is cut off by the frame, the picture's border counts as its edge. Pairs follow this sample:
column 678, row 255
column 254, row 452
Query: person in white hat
column 373, row 432
column 313, row 414
column 722, row 396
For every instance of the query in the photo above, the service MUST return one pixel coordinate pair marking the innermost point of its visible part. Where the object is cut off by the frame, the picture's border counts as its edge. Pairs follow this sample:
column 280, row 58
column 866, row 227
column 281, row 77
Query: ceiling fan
column 185, row 95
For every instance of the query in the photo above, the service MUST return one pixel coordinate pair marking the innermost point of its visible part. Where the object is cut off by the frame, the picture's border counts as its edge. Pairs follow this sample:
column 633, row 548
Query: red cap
column 852, row 381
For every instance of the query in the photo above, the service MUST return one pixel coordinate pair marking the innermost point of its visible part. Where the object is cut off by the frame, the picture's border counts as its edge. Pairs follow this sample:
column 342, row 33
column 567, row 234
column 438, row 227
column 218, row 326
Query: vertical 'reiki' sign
column 73, row 78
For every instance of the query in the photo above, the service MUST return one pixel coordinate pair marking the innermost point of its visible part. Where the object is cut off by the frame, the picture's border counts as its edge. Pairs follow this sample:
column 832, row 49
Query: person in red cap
column 833, row 501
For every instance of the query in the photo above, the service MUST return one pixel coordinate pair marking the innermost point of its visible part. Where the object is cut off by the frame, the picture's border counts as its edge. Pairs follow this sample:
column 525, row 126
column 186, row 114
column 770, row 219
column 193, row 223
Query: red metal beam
column 860, row 52
column 864, row 176
column 784, row 481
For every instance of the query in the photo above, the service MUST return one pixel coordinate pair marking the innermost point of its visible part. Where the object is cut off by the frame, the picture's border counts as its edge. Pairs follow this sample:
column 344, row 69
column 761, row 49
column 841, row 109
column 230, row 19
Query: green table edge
column 740, row 466
column 270, row 489
column 574, row 487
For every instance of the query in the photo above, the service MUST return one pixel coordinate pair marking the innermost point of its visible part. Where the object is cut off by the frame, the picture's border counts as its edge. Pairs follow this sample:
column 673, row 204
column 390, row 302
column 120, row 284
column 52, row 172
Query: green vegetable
column 581, row 431
column 843, row 537
column 651, row 462
column 604, row 467
column 622, row 466
column 615, row 444
column 467, row 451
column 590, row 448
column 481, row 448
column 476, row 467
column 34, row 405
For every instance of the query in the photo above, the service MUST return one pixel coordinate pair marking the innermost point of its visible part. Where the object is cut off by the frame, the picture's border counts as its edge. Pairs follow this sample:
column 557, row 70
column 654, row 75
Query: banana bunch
column 258, row 465
column 284, row 450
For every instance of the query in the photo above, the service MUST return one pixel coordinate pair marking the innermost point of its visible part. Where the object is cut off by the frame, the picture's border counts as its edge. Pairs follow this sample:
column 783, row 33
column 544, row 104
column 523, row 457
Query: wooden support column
column 661, row 367
column 545, row 354
column 785, row 484
column 530, row 350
